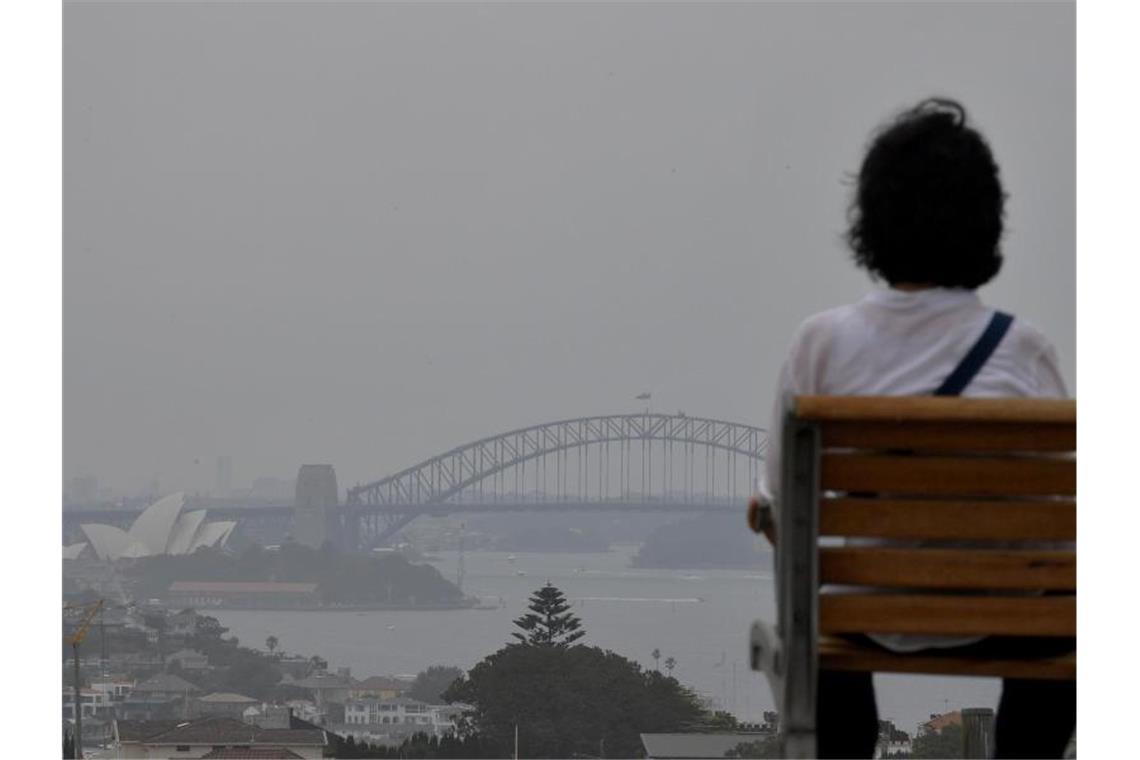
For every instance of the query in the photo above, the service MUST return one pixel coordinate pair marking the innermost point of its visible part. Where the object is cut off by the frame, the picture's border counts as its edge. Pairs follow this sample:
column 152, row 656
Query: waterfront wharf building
column 246, row 595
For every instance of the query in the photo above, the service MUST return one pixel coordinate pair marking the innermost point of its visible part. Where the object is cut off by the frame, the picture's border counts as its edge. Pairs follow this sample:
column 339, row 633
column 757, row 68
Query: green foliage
column 764, row 747
column 341, row 578
column 700, row 542
column 946, row 743
column 570, row 700
column 722, row 721
column 253, row 675
column 271, row 643
column 244, row 670
column 549, row 622
column 209, row 638
column 416, row 746
column 431, row 683
column 207, row 630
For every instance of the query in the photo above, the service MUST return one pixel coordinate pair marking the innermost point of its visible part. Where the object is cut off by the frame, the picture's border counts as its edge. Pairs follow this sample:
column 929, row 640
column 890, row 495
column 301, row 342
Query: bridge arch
column 441, row 478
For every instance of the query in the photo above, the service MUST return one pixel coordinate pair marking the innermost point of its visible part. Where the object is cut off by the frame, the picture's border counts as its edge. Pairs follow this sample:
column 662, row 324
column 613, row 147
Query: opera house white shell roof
column 74, row 550
column 160, row 529
column 182, row 536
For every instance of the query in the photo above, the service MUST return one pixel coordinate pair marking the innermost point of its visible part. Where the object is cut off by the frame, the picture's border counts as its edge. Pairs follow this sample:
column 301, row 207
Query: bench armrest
column 765, row 654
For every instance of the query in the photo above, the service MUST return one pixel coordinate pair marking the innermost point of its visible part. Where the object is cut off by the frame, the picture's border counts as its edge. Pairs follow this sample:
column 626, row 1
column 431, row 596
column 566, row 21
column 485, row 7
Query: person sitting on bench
column 926, row 218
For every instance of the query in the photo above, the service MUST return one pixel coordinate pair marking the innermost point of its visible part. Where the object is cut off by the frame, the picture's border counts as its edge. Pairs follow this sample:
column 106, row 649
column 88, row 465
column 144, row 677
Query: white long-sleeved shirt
column 905, row 343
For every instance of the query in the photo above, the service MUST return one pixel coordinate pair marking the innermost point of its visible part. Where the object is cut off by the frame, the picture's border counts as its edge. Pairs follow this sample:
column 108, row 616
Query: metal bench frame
column 788, row 653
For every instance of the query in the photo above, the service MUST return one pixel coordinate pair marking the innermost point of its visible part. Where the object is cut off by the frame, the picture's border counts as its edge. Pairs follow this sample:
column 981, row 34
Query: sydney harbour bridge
column 643, row 462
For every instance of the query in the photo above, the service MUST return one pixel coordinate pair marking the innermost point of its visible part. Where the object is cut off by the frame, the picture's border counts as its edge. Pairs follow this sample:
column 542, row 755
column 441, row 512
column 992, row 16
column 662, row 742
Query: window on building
column 182, row 748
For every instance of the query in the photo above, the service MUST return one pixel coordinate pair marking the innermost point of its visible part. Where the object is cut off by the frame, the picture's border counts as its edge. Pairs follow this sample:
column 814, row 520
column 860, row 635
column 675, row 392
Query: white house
column 401, row 710
column 387, row 720
column 117, row 690
column 92, row 702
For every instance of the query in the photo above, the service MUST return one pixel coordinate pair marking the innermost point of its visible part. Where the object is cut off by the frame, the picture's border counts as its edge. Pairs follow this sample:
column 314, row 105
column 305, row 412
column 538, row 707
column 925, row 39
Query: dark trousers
column 1034, row 718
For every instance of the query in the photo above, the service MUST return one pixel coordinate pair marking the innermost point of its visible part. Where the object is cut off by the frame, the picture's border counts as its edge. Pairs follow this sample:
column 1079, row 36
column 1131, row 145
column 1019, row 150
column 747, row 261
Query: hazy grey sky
column 364, row 233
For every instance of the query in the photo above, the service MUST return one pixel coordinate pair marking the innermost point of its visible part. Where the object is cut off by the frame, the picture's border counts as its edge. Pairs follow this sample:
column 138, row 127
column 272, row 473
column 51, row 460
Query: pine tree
column 549, row 622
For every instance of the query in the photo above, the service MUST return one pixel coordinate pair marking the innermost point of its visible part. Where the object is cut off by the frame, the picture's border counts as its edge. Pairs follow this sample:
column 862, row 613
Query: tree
column 764, row 747
column 946, row 743
column 656, row 655
column 567, row 700
column 721, row 720
column 670, row 663
column 253, row 676
column 419, row 745
column 318, row 664
column 549, row 622
column 207, row 638
column 271, row 643
column 431, row 683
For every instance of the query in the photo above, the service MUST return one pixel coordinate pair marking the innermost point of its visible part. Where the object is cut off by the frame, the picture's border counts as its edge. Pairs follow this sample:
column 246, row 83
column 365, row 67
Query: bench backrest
column 983, row 472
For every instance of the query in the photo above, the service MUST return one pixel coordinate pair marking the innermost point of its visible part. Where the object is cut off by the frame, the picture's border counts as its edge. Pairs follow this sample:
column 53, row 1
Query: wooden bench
column 909, row 469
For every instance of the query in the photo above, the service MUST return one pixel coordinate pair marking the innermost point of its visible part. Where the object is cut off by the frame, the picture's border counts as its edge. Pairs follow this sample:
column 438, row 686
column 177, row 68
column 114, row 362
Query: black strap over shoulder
column 973, row 362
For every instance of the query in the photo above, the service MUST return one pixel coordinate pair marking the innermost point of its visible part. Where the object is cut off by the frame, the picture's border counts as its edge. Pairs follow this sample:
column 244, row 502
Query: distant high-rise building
column 316, row 492
column 223, row 483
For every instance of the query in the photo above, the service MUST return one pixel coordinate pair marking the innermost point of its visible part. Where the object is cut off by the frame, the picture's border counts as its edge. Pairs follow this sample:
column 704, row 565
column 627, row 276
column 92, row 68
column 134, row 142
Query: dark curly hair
column 929, row 203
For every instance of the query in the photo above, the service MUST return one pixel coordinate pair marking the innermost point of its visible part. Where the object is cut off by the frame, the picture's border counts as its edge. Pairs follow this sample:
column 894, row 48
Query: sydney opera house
column 162, row 528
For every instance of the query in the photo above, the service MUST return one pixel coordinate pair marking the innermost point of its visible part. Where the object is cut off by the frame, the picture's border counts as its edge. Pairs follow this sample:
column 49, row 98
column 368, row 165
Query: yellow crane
column 75, row 639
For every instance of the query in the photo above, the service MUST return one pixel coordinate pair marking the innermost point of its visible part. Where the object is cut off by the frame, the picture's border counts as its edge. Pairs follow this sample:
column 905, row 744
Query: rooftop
column 134, row 730
column 939, row 722
column 326, row 681
column 227, row 698
column 215, row 731
column 184, row 653
column 250, row 753
column 688, row 746
column 166, row 682
column 381, row 683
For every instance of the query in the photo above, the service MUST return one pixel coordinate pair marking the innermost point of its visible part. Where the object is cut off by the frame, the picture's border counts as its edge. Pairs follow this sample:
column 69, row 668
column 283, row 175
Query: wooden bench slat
column 936, row 409
column 949, row 568
column 941, row 437
column 975, row 476
column 841, row 654
column 948, row 614
column 982, row 520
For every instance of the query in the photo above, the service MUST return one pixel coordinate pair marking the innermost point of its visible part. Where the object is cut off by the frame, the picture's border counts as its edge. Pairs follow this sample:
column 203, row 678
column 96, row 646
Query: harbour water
column 698, row 617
